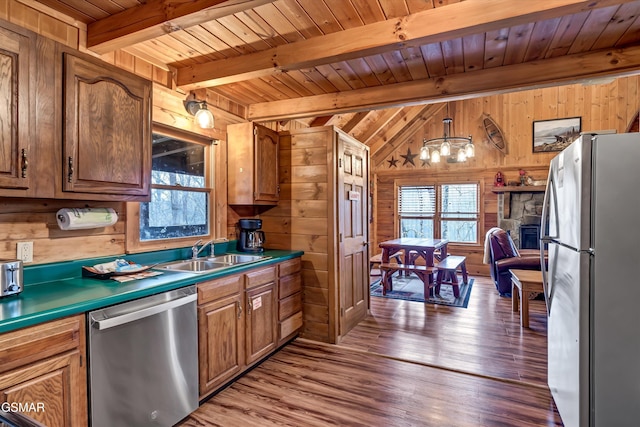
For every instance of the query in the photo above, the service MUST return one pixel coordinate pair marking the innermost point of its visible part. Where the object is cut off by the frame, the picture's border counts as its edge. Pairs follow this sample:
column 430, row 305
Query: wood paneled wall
column 302, row 219
column 601, row 107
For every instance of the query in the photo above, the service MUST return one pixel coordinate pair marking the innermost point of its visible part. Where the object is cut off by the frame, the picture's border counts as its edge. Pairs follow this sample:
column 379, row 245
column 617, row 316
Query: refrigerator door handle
column 545, row 238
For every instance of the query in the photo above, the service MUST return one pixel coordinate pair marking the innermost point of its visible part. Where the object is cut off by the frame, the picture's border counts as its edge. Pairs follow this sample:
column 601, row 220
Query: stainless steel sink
column 206, row 265
column 194, row 266
column 237, row 259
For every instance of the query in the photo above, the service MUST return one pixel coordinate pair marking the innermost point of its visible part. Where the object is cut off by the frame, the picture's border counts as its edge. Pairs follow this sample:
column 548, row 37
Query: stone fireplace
column 517, row 209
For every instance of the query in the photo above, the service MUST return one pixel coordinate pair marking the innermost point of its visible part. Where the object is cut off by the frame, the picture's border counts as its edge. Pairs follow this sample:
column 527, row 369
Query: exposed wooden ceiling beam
column 529, row 75
column 383, row 119
column 355, row 120
column 434, row 25
column 156, row 18
column 396, row 135
column 320, row 121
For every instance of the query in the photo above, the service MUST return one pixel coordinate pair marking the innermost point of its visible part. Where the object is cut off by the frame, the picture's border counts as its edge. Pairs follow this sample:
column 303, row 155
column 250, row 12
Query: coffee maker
column 251, row 237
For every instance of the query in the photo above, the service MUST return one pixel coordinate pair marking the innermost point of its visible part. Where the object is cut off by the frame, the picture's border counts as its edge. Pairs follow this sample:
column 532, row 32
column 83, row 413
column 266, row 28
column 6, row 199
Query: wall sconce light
column 202, row 115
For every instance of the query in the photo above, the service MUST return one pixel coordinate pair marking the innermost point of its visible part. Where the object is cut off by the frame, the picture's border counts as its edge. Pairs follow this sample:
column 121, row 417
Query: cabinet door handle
column 70, row 175
column 25, row 163
column 239, row 309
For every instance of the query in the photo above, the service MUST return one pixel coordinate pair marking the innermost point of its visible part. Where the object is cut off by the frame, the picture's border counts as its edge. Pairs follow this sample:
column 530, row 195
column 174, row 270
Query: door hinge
column 340, row 162
column 342, row 312
column 80, row 360
column 340, row 237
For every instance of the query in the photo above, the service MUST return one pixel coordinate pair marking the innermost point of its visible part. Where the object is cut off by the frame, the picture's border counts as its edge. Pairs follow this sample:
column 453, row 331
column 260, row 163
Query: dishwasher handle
column 145, row 312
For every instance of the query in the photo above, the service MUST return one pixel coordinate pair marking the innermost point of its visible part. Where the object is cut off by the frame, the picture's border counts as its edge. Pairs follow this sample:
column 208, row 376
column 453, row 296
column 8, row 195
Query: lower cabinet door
column 221, row 342
column 52, row 392
column 261, row 321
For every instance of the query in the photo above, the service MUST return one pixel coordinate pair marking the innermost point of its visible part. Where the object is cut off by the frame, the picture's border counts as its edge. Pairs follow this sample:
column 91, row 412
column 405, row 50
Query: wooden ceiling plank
column 299, row 18
column 415, row 121
column 321, row 15
column 630, row 36
column 271, row 14
column 369, row 11
column 455, row 21
column 568, row 30
column 434, row 59
column 345, row 13
column 386, row 116
column 586, row 39
column 622, row 20
column 259, row 26
column 562, row 70
column 473, row 52
column 157, row 17
column 494, row 48
column 380, row 67
column 393, row 8
column 210, row 42
column 397, row 66
column 412, row 56
column 320, row 80
column 355, row 120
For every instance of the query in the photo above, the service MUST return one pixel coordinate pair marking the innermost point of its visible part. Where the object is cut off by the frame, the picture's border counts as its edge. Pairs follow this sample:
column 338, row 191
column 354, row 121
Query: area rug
column 412, row 289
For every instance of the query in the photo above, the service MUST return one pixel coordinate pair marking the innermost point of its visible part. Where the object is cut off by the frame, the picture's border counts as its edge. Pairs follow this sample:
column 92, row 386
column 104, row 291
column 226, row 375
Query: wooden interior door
column 353, row 188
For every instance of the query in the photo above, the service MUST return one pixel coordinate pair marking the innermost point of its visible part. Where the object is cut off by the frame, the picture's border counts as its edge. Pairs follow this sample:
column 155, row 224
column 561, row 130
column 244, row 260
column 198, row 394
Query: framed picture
column 556, row 134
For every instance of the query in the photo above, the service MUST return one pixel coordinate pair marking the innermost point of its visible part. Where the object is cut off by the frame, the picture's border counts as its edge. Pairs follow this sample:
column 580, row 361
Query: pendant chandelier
column 459, row 148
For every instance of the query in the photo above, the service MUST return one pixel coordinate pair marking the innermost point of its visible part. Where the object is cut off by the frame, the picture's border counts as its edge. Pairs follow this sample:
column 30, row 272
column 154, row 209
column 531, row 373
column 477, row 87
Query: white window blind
column 417, row 201
column 459, row 201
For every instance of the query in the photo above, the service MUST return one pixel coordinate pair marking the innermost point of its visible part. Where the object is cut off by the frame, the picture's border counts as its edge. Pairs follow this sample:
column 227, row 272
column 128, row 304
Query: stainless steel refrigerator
column 592, row 283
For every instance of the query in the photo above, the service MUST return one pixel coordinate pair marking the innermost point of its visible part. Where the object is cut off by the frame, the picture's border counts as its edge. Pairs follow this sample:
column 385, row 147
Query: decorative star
column 393, row 162
column 408, row 158
column 425, row 163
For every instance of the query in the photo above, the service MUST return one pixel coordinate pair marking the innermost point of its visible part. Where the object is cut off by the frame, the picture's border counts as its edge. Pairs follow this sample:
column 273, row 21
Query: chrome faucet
column 195, row 251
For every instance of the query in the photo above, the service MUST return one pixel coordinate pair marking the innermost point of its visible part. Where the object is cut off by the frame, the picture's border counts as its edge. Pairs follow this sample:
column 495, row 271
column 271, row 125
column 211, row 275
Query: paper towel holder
column 85, row 218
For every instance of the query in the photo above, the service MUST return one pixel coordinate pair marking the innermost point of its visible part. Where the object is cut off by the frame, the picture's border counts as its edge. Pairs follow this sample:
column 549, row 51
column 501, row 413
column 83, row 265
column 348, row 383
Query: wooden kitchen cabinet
column 220, row 332
column 252, row 160
column 261, row 336
column 17, row 108
column 106, row 147
column 45, row 365
column 238, row 322
column 289, row 299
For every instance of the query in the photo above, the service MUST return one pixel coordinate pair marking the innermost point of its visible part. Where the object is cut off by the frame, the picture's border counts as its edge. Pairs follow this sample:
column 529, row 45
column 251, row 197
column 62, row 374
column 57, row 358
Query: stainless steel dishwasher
column 143, row 360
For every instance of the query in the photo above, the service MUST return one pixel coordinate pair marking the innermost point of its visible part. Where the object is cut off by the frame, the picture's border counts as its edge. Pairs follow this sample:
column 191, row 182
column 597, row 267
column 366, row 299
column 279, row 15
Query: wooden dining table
column 413, row 248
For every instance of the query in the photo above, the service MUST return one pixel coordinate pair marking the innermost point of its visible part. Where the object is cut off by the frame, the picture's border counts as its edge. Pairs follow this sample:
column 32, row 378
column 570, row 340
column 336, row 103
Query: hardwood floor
column 407, row 364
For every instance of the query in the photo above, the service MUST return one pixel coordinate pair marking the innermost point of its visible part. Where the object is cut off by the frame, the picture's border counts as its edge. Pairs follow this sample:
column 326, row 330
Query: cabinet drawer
column 34, row 343
column 289, row 267
column 290, row 325
column 289, row 285
column 218, row 288
column 290, row 305
column 260, row 277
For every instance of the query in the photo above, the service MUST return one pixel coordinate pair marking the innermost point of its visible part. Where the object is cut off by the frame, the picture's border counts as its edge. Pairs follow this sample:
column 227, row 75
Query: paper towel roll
column 79, row 219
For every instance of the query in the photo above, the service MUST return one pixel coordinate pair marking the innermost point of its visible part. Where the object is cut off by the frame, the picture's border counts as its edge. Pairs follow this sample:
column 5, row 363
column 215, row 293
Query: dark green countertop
column 58, row 290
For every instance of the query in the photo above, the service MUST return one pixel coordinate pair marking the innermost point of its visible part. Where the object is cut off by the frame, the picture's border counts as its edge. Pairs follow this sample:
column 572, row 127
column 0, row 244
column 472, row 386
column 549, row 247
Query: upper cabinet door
column 106, row 129
column 266, row 158
column 16, row 112
column 252, row 165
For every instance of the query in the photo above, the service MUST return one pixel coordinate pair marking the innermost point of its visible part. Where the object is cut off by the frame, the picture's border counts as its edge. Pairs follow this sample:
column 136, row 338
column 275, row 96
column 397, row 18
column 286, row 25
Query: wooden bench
column 426, row 274
column 448, row 272
column 377, row 260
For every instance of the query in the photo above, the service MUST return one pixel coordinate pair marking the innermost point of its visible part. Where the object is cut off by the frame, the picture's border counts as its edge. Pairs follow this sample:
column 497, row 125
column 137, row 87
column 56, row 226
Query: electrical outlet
column 25, row 251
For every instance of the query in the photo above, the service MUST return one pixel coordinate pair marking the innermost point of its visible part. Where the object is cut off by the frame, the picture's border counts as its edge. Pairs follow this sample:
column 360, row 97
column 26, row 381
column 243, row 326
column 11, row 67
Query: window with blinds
column 445, row 211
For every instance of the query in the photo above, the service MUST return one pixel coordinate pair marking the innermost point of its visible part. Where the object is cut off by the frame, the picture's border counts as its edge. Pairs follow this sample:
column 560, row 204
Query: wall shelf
column 519, row 189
